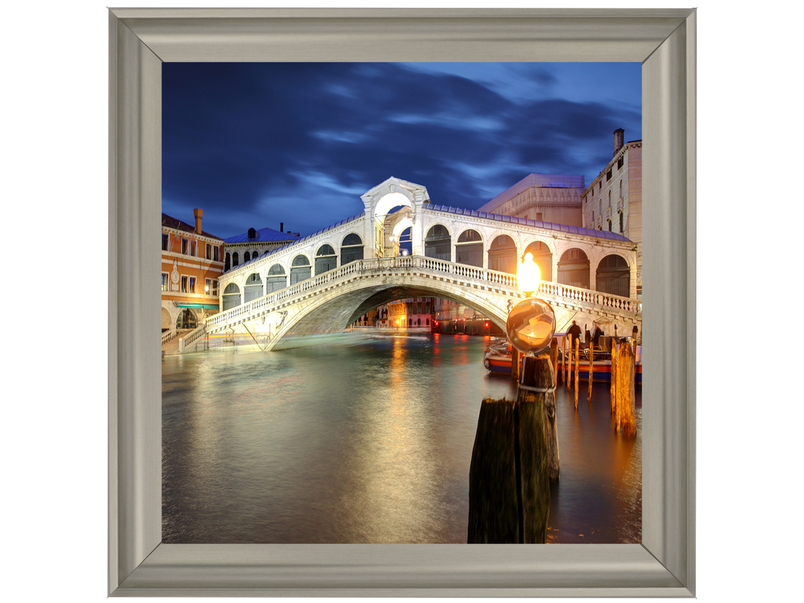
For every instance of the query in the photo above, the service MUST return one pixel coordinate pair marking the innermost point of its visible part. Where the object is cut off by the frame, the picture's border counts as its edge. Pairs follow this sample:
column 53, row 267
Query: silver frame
column 663, row 41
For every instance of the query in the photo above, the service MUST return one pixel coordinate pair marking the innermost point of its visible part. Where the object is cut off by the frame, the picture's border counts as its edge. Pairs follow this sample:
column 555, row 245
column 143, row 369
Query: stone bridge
column 326, row 280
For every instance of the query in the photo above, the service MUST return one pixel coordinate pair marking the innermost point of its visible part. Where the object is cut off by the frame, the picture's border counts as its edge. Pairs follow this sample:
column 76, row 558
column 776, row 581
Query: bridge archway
column 186, row 319
column 231, row 296
column 167, row 323
column 351, row 248
column 613, row 275
column 543, row 257
column 252, row 288
column 276, row 279
column 469, row 248
column 325, row 259
column 438, row 243
column 573, row 268
column 503, row 254
column 300, row 269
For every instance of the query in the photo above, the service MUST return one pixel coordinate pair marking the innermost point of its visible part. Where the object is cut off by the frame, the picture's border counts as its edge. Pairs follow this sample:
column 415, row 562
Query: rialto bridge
column 325, row 281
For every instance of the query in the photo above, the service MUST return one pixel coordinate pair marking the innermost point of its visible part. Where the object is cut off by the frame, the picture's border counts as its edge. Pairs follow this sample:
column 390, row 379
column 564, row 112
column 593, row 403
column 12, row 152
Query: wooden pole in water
column 554, row 360
column 515, row 364
column 626, row 415
column 564, row 359
column 613, row 375
column 591, row 369
column 577, row 367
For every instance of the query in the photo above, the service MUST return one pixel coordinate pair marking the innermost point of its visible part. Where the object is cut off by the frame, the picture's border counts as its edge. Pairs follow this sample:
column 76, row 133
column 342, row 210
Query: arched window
column 253, row 288
column 437, row 243
column 231, row 296
column 252, row 234
column 325, row 259
column 609, row 225
column 621, row 189
column 276, row 279
column 227, row 263
column 614, row 276
column 246, row 256
column 300, row 269
column 621, row 221
column 573, row 268
column 186, row 319
column 235, row 259
column 351, row 249
column 502, row 255
column 543, row 258
column 469, row 249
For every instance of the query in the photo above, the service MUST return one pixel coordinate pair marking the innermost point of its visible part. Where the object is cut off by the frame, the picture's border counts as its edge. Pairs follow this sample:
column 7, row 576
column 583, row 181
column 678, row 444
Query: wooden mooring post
column 591, row 370
column 577, row 367
column 512, row 457
column 554, row 360
column 613, row 375
column 626, row 415
column 564, row 359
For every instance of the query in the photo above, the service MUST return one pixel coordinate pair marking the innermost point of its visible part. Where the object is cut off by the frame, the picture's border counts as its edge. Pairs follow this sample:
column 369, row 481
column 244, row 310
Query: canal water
column 367, row 440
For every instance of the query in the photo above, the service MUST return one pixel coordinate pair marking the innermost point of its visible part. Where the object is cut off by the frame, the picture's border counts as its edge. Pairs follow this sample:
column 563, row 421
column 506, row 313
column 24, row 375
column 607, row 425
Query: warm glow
column 528, row 274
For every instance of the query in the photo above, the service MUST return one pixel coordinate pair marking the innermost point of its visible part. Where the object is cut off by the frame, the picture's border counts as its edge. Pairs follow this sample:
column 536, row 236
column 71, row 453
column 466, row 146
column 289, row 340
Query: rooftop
column 263, row 235
column 171, row 222
column 535, row 181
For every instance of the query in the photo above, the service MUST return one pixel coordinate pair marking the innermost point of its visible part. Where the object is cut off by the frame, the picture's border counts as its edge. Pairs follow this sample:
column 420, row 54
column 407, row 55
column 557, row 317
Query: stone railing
column 167, row 336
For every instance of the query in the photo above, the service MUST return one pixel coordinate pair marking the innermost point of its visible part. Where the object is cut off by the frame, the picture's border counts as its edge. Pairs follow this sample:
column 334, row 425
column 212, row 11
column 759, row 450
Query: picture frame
column 664, row 41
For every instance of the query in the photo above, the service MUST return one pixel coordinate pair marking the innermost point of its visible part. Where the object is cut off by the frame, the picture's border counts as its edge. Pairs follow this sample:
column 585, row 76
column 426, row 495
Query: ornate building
column 254, row 243
column 552, row 198
column 613, row 202
column 192, row 262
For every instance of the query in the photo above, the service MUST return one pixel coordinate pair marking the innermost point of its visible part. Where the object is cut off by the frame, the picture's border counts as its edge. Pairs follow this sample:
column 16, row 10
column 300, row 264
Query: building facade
column 254, row 243
column 613, row 202
column 544, row 197
column 192, row 263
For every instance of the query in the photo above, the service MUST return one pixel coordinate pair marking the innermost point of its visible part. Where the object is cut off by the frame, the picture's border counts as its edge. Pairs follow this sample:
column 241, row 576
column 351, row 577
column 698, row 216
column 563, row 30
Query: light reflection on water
column 367, row 443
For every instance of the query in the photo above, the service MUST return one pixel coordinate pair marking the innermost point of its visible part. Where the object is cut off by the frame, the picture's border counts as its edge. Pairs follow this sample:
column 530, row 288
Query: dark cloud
column 259, row 144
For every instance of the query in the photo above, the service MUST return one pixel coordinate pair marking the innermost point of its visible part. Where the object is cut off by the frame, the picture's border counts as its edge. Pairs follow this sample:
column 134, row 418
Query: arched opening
column 227, row 264
column 253, row 287
column 502, row 255
column 614, row 276
column 325, row 259
column 246, row 256
column 165, row 320
column 235, row 259
column 276, row 279
column 437, row 243
column 469, row 249
column 351, row 249
column 186, row 319
column 573, row 268
column 543, row 258
column 231, row 296
column 299, row 269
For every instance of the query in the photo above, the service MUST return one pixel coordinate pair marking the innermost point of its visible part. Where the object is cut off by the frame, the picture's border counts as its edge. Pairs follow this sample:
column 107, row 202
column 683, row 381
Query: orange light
column 528, row 274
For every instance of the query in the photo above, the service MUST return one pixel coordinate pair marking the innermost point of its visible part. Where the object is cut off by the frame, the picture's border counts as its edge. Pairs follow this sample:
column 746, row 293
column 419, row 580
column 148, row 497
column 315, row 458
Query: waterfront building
column 192, row 262
column 613, row 202
column 253, row 243
column 552, row 198
column 411, row 313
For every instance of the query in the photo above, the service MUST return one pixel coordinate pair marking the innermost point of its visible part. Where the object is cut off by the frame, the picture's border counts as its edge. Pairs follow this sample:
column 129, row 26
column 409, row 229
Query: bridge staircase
column 491, row 292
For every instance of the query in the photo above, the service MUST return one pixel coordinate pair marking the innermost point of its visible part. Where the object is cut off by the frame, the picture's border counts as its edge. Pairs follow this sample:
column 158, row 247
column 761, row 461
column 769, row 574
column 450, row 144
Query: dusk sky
column 256, row 144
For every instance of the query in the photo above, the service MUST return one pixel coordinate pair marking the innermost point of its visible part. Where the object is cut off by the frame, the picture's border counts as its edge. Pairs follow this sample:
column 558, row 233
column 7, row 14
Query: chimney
column 198, row 214
column 281, row 227
column 619, row 134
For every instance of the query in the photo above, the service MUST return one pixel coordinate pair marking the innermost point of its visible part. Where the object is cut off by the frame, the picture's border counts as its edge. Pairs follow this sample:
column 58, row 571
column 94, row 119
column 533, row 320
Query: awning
column 203, row 306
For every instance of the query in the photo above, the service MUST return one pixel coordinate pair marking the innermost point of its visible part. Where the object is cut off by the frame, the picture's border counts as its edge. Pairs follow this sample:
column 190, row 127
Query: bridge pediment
column 416, row 194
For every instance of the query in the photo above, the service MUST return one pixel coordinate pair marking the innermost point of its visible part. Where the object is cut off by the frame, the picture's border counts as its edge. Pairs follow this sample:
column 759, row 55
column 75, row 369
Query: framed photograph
column 141, row 562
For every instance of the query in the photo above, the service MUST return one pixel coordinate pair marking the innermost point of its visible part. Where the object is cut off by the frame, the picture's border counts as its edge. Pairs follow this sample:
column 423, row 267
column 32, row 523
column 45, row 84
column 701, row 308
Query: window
column 608, row 175
column 216, row 253
column 192, row 248
column 252, row 234
column 539, row 216
column 621, row 221
column 164, row 281
column 184, row 284
column 609, row 225
column 208, row 254
column 235, row 259
column 593, row 215
column 165, row 242
column 215, row 287
column 191, row 287
column 208, row 286
column 620, row 162
column 246, row 256
column 184, row 246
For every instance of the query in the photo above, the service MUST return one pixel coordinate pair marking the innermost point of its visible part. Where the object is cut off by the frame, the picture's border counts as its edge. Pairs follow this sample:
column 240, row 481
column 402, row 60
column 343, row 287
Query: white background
column 54, row 207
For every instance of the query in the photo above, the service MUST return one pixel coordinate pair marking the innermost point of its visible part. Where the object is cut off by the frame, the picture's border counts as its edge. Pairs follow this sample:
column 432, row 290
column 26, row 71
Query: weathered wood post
column 564, row 359
column 613, row 375
column 591, row 370
column 509, row 476
column 577, row 367
column 554, row 360
column 626, row 415
column 515, row 364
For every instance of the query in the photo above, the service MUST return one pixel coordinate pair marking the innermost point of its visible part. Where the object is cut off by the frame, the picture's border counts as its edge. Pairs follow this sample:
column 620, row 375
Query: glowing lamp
column 528, row 275
column 531, row 326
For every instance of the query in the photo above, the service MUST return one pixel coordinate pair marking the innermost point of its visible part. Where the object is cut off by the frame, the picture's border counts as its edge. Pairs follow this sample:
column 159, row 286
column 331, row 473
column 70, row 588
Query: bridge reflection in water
column 366, row 441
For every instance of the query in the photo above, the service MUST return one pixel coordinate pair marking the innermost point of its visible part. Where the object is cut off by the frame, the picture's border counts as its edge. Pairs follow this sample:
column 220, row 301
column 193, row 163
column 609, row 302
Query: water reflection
column 366, row 443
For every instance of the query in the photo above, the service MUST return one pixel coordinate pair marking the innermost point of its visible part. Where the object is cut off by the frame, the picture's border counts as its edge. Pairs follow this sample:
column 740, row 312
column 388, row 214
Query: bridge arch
column 438, row 242
column 543, row 253
column 276, row 279
column 613, row 275
column 253, row 287
column 469, row 248
column 503, row 254
column 325, row 259
column 300, row 269
column 573, row 268
column 351, row 248
column 231, row 296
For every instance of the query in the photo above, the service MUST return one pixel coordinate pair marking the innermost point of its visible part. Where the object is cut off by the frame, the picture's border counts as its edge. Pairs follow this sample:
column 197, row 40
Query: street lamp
column 531, row 323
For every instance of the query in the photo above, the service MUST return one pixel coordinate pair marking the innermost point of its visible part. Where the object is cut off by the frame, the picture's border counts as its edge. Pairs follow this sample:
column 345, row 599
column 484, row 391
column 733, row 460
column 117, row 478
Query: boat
column 498, row 359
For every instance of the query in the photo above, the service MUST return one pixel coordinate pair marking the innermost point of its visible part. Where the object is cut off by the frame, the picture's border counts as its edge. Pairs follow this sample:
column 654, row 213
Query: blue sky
column 256, row 144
